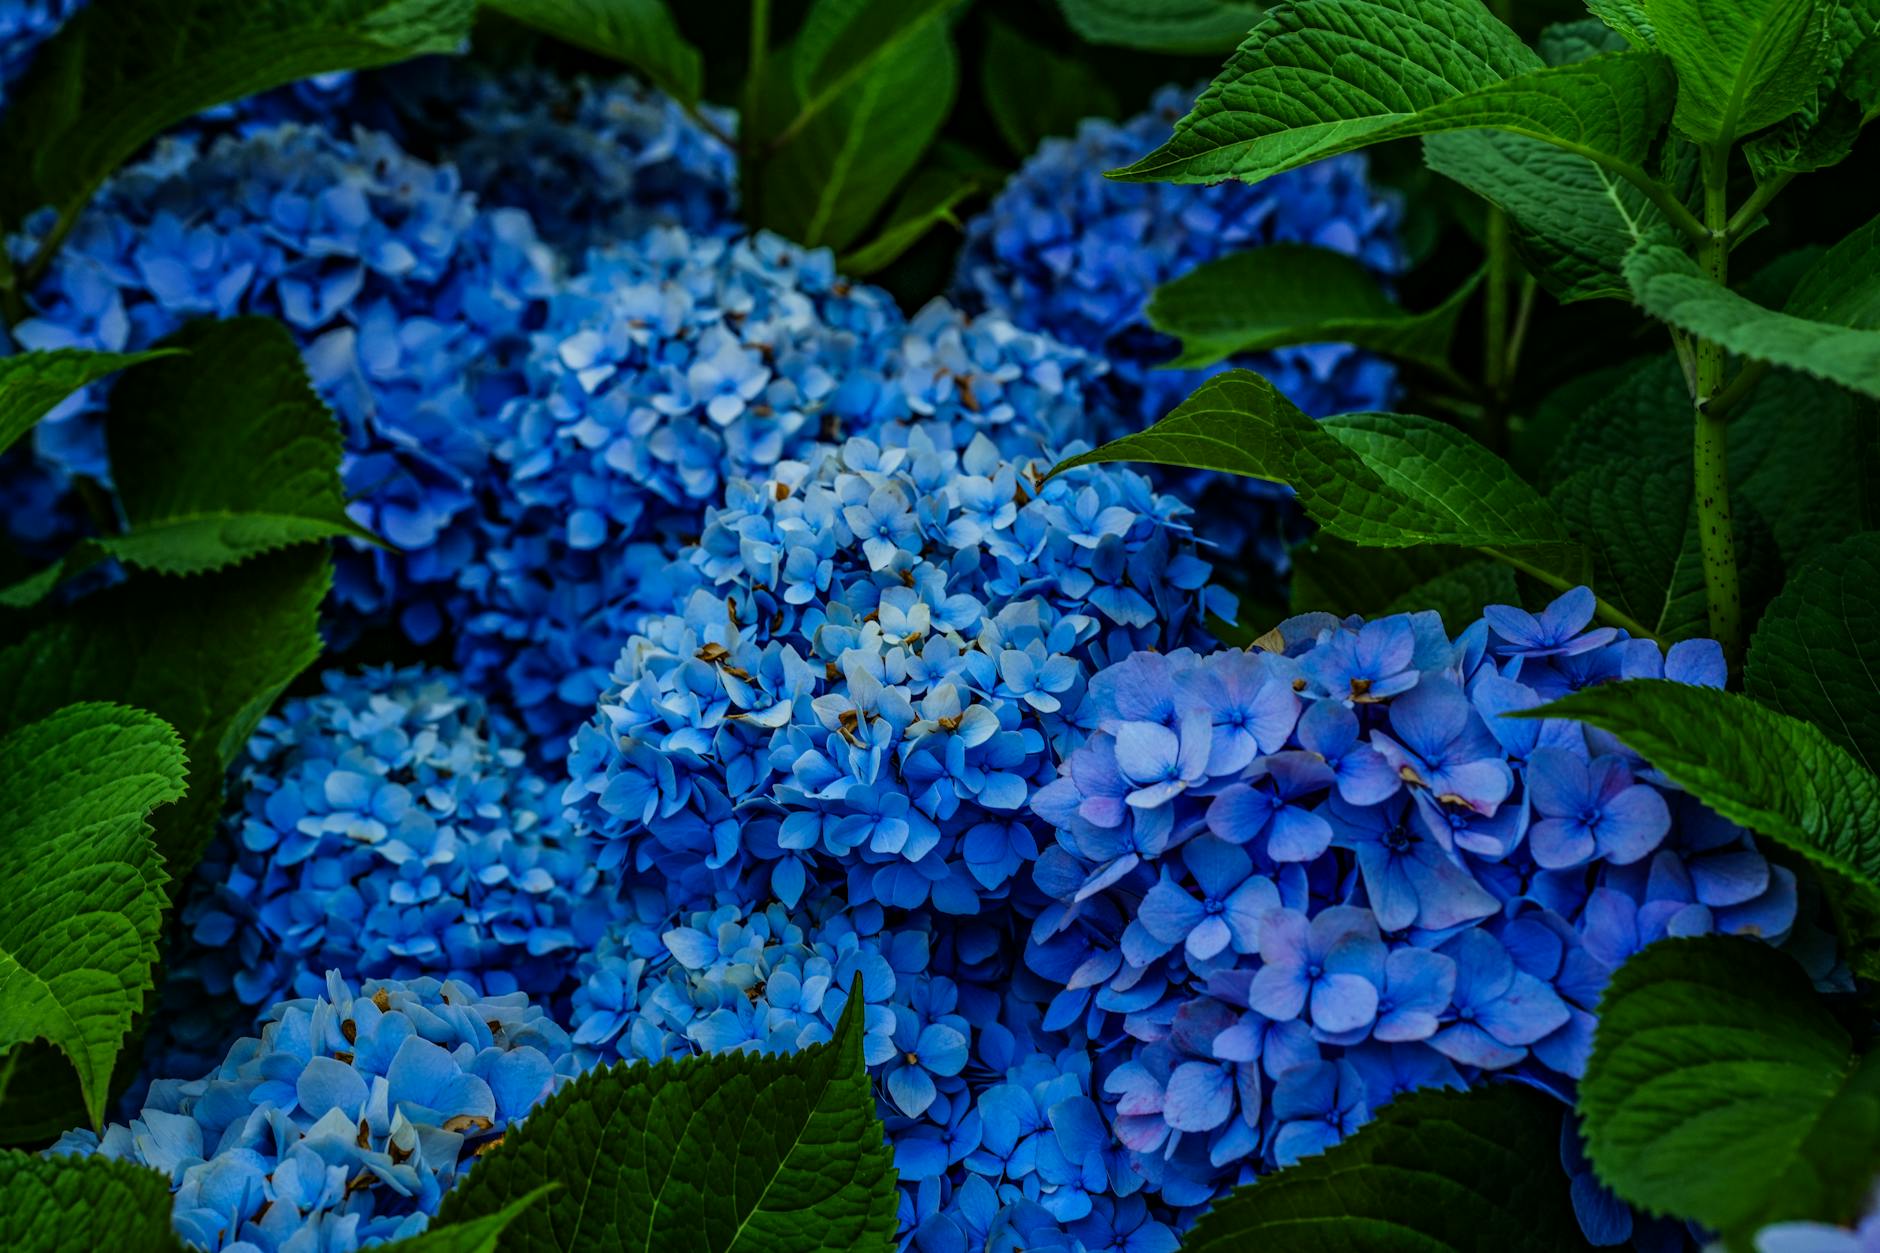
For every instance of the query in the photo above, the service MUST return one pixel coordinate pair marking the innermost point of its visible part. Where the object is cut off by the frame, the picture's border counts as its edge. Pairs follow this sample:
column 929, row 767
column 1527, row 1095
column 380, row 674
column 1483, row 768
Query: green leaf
column 1575, row 221
column 85, row 885
column 1460, row 594
column 1336, row 576
column 1316, row 79
column 1671, row 287
column 844, row 41
column 122, row 71
column 639, row 33
column 1779, row 776
column 209, row 654
column 1437, row 1171
column 734, row 1151
column 830, row 175
column 1565, row 43
column 83, row 1204
column 1720, row 1090
column 1265, row 298
column 478, row 1235
column 1816, row 652
column 1741, row 65
column 1843, row 286
column 1033, row 93
column 1628, row 18
column 1178, row 26
column 1823, row 131
column 930, row 199
column 32, row 384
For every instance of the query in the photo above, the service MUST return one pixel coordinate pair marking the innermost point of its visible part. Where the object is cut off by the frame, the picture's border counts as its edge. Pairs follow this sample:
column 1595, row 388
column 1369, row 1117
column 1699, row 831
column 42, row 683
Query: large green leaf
column 828, row 178
column 1720, row 1090
column 1744, row 64
column 1264, row 298
column 32, row 384
column 209, row 654
column 1779, row 776
column 730, row 1152
column 639, row 33
column 476, row 1235
column 1627, row 17
column 1436, row 1171
column 844, row 41
column 83, row 1205
column 1816, row 652
column 122, row 71
column 1162, row 25
column 1329, row 76
column 84, row 883
column 1823, row 131
column 1671, row 287
column 1843, row 286
column 1032, row 92
column 930, row 199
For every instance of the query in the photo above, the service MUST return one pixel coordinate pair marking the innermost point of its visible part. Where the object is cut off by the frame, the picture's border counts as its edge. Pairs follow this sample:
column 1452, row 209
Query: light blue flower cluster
column 672, row 367
column 1067, row 252
column 883, row 651
column 345, row 1119
column 387, row 827
column 1289, row 884
column 994, row 1122
column 407, row 297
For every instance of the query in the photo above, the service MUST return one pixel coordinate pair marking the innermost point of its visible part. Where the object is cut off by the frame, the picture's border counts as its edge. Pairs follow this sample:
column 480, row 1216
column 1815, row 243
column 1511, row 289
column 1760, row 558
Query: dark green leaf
column 83, row 1205
column 1265, row 298
column 85, row 896
column 1436, row 1171
column 33, row 383
column 1816, row 652
column 1393, row 69
column 1565, row 43
column 639, row 33
column 843, row 41
column 1336, row 576
column 930, row 199
column 1162, row 25
column 1627, row 17
column 1460, row 595
column 729, row 1152
column 1721, row 1091
column 1779, row 776
column 122, row 71
column 478, row 1235
column 208, row 654
column 1823, row 131
column 1671, row 287
column 1843, row 286
column 1741, row 65
column 1033, row 93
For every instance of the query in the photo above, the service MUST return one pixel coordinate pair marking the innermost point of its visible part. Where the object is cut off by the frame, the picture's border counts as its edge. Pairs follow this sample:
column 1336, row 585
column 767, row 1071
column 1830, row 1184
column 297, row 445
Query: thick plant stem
column 1711, row 445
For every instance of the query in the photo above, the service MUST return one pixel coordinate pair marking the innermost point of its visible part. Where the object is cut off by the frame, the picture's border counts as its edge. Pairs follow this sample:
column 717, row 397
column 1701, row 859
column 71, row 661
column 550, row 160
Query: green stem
column 749, row 133
column 1716, row 532
column 1745, row 217
column 1737, row 390
column 1607, row 612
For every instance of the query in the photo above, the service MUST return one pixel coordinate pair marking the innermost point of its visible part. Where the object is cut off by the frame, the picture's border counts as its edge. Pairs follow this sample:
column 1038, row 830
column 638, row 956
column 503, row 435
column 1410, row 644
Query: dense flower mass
column 672, row 367
column 1290, row 884
column 1073, row 254
column 387, row 827
column 345, row 1119
column 884, row 652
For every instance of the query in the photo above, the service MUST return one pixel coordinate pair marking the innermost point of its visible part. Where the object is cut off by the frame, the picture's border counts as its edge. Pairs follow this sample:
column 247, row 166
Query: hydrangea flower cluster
column 1290, row 884
column 1072, row 254
column 345, row 1119
column 666, row 370
column 405, row 294
column 387, row 827
column 883, row 652
column 24, row 25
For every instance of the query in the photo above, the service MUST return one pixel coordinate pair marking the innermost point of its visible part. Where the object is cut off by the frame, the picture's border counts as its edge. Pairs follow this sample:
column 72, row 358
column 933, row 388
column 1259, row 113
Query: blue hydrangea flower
column 1397, row 885
column 345, row 1119
column 845, row 689
column 407, row 297
column 388, row 827
column 24, row 25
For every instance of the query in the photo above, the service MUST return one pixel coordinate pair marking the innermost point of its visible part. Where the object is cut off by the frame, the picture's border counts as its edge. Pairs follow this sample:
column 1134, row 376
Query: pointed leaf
column 1816, row 652
column 844, row 41
column 639, row 33
column 1162, row 25
column 1033, row 93
column 83, row 1204
column 1823, row 131
column 84, row 883
column 1741, row 65
column 733, row 1151
column 1437, row 1171
column 32, row 384
column 122, row 71
column 1284, row 294
column 1721, row 1091
column 929, row 200
column 1779, row 776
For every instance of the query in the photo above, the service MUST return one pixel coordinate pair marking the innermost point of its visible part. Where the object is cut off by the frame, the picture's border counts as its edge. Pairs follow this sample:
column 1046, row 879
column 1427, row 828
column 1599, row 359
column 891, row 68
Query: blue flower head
column 1287, row 885
column 387, row 827
column 343, row 1121
column 24, row 25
